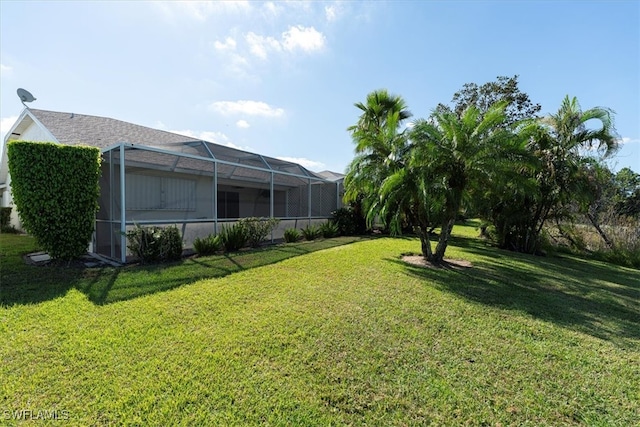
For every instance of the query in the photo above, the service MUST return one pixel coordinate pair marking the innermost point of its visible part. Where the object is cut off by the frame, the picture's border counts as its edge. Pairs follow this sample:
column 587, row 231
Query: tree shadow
column 595, row 298
column 28, row 284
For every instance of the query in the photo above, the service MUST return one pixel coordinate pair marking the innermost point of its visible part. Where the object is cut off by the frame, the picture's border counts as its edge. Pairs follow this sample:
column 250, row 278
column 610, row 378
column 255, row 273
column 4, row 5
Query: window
column 228, row 204
column 148, row 192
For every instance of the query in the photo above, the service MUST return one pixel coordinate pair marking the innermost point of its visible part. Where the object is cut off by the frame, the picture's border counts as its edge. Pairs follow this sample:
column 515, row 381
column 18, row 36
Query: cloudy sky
column 281, row 78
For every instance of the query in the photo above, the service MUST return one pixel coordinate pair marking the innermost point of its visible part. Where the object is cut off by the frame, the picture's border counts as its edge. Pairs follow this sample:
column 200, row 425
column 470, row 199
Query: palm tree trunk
column 601, row 232
column 443, row 241
column 425, row 243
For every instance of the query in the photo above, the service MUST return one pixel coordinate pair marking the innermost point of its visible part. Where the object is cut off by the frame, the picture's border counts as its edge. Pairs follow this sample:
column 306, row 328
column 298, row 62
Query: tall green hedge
column 55, row 189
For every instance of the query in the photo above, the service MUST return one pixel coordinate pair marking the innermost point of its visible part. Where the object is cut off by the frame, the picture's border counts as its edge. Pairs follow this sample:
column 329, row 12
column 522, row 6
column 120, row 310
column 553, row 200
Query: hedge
column 55, row 189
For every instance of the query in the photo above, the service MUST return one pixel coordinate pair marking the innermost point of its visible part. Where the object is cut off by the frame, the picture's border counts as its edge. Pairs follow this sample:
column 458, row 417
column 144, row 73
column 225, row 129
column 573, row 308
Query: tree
column 627, row 184
column 380, row 146
column 452, row 155
column 504, row 89
column 559, row 143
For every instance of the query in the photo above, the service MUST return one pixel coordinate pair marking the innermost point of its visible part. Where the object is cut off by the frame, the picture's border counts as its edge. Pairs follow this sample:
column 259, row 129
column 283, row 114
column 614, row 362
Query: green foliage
column 257, row 229
column 620, row 256
column 155, row 244
column 55, row 189
column 233, row 237
column 329, row 229
column 311, row 232
column 349, row 220
column 519, row 106
column 627, row 198
column 5, row 221
column 562, row 176
column 207, row 245
column 292, row 235
column 5, row 216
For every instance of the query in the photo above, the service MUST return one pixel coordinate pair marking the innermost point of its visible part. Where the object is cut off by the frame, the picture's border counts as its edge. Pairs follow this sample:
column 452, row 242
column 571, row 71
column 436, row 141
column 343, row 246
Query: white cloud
column 200, row 10
column 296, row 38
column 210, row 136
column 309, row 164
column 627, row 140
column 5, row 125
column 5, row 68
column 331, row 13
column 229, row 44
column 271, row 9
column 240, row 147
column 252, row 108
column 242, row 124
column 216, row 137
column 260, row 45
column 306, row 39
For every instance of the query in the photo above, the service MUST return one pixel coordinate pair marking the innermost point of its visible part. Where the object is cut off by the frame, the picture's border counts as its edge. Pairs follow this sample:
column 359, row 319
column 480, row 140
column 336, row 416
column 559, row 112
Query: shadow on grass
column 599, row 299
column 27, row 284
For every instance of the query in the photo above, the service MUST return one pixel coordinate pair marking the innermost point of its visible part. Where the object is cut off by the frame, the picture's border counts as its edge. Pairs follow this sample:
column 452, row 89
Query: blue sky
column 281, row 78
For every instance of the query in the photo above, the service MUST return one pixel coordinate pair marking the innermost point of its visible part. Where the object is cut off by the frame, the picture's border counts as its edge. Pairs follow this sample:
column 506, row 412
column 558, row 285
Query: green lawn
column 348, row 335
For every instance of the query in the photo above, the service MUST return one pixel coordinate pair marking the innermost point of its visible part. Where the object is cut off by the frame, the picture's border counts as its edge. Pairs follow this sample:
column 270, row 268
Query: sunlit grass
column 349, row 335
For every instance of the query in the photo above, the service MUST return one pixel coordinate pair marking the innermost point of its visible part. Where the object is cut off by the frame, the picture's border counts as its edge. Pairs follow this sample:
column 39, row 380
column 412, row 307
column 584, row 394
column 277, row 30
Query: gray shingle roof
column 102, row 132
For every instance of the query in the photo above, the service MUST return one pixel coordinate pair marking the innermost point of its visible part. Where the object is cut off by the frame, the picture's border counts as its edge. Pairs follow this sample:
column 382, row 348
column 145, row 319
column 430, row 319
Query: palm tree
column 562, row 146
column 453, row 154
column 380, row 146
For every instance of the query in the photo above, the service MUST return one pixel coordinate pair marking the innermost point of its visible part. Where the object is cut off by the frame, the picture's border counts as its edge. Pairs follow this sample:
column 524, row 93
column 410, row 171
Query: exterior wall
column 35, row 133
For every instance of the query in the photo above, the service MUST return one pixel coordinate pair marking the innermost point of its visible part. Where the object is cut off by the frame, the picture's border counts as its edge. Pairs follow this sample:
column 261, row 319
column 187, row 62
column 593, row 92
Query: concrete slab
column 40, row 257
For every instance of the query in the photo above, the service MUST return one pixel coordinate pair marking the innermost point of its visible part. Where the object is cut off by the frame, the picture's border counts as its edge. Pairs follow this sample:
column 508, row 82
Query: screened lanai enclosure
column 200, row 186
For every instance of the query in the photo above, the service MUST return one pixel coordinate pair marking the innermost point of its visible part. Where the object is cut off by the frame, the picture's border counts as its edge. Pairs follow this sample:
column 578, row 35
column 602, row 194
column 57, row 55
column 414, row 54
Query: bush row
column 153, row 244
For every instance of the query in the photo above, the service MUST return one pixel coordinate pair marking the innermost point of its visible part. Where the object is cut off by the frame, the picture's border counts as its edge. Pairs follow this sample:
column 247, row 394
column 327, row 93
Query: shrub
column 154, row 244
column 292, row 235
column 5, row 217
column 233, row 237
column 171, row 243
column 311, row 232
column 329, row 229
column 349, row 221
column 257, row 229
column 207, row 245
column 5, row 221
column 55, row 189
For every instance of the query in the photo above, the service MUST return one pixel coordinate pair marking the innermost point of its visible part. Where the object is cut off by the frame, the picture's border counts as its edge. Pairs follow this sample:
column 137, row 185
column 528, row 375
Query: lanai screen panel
column 323, row 198
column 199, row 185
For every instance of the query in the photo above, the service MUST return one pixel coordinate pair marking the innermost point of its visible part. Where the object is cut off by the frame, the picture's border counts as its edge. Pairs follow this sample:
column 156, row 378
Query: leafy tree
column 627, row 184
column 558, row 142
column 453, row 156
column 504, row 89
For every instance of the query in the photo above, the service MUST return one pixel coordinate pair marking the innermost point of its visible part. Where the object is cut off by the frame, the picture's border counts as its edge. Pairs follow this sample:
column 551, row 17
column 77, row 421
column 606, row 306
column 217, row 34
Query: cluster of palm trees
column 514, row 175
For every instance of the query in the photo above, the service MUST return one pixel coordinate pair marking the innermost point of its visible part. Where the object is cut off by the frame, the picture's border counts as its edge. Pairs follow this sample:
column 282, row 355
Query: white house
column 150, row 176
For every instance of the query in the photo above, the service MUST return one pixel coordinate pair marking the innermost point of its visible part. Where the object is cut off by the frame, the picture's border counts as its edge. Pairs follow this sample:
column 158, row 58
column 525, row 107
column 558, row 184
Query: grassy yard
column 348, row 335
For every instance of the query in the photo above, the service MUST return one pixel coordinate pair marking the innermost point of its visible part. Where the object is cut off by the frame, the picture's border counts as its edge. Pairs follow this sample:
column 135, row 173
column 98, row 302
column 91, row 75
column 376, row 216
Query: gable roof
column 105, row 132
column 102, row 132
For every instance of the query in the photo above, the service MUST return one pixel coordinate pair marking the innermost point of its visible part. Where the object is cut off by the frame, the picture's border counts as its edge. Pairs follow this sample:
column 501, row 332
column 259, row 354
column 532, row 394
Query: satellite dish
column 25, row 96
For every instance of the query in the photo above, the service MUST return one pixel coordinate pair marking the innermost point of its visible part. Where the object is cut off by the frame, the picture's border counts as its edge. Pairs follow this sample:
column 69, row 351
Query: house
column 150, row 176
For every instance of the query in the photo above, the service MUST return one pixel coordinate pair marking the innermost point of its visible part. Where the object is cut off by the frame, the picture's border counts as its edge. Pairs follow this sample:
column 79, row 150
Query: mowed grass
column 349, row 335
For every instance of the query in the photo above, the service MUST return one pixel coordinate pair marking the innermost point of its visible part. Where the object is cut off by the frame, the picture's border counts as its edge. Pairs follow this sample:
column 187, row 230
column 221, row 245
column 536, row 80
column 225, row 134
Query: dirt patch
column 451, row 264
